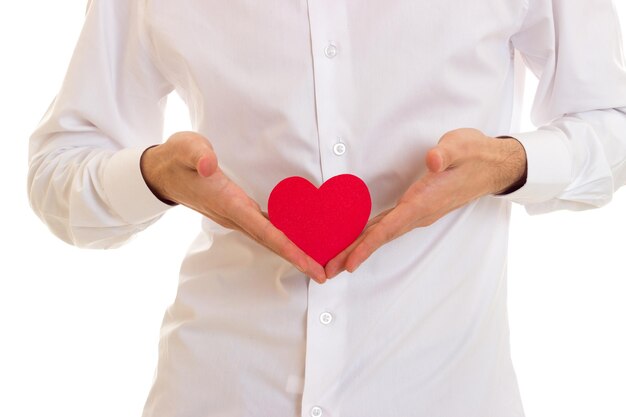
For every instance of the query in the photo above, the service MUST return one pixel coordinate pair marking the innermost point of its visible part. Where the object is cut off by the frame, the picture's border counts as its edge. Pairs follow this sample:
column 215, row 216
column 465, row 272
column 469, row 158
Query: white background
column 79, row 328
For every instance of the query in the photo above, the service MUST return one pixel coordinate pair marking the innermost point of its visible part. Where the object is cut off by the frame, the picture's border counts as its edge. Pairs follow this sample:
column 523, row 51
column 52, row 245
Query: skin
column 465, row 165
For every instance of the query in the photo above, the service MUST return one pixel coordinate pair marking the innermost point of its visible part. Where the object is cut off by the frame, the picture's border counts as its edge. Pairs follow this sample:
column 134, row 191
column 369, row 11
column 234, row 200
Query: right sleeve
column 84, row 178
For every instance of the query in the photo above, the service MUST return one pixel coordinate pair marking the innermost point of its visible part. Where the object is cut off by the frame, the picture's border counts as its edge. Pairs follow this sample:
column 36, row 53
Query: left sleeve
column 577, row 158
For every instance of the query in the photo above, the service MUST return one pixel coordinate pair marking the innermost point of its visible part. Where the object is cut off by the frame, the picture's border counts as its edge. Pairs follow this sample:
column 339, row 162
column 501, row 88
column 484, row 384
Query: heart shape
column 322, row 222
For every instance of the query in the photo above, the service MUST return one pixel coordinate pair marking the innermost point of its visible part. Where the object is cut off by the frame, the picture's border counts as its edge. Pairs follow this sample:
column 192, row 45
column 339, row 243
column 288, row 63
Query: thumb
column 438, row 159
column 456, row 147
column 200, row 155
column 207, row 164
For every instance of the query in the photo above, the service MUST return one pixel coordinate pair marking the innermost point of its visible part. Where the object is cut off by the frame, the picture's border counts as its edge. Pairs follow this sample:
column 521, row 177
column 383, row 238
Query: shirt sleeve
column 577, row 157
column 84, row 178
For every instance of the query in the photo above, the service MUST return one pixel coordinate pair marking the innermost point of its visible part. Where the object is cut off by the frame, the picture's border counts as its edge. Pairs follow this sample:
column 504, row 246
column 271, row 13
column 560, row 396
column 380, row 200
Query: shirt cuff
column 126, row 190
column 549, row 164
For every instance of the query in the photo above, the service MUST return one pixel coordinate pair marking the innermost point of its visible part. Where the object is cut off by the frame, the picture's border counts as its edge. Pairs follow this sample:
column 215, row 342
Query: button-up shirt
column 319, row 88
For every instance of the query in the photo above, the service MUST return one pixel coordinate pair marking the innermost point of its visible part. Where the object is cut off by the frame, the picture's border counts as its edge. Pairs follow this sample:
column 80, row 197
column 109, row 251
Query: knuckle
column 451, row 136
column 266, row 232
column 427, row 221
column 381, row 235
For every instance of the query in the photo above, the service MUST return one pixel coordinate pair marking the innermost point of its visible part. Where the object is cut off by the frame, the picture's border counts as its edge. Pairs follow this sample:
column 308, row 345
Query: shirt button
column 316, row 412
column 339, row 149
column 331, row 50
column 326, row 318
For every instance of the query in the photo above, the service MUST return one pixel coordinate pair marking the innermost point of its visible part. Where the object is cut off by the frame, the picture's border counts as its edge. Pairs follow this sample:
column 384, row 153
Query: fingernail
column 316, row 280
column 333, row 274
column 353, row 268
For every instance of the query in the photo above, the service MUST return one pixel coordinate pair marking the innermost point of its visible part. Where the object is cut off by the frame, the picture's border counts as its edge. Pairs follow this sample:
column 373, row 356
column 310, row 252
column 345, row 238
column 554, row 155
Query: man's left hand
column 465, row 165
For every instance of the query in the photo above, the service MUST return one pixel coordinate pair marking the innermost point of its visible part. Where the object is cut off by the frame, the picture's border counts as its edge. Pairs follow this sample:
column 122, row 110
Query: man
column 417, row 99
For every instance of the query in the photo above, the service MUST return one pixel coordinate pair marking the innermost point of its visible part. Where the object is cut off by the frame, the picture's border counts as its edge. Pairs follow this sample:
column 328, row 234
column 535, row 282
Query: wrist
column 512, row 166
column 147, row 171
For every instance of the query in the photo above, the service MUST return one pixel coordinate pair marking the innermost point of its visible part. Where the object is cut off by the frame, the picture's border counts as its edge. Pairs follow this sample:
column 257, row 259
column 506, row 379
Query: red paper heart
column 322, row 222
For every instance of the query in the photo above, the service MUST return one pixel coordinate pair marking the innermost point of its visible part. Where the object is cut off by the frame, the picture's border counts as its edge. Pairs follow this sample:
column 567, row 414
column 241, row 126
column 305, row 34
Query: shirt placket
column 326, row 318
column 332, row 81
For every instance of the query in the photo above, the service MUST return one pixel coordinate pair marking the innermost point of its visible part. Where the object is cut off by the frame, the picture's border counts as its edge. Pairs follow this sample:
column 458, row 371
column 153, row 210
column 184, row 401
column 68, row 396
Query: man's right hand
column 184, row 170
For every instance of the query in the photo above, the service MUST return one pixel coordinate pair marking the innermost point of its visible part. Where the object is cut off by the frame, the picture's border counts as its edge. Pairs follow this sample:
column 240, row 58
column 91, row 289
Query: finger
column 198, row 154
column 247, row 216
column 453, row 147
column 248, row 219
column 207, row 165
column 278, row 242
column 435, row 160
column 261, row 229
column 223, row 221
column 444, row 156
column 397, row 222
column 338, row 264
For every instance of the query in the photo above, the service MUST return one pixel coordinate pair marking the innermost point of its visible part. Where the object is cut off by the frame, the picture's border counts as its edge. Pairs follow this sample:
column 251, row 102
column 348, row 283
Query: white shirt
column 420, row 329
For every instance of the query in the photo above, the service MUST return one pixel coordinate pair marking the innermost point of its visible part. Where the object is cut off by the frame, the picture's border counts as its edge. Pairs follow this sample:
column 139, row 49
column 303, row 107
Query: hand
column 465, row 165
column 185, row 170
